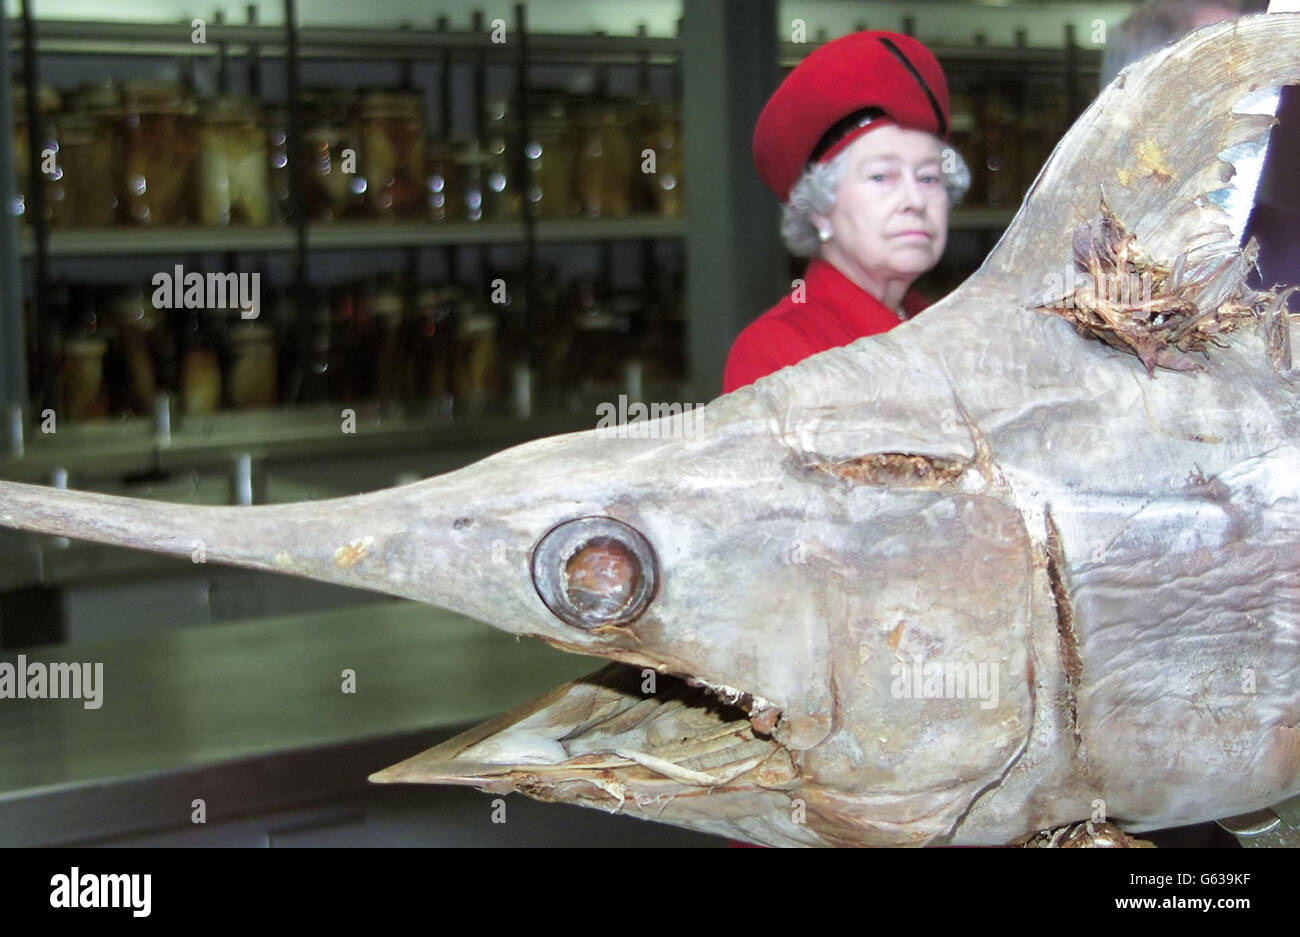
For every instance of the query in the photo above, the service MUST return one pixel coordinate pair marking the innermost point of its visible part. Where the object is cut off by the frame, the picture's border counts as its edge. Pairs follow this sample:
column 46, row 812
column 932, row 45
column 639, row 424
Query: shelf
column 243, row 710
column 958, row 57
column 124, row 242
column 609, row 229
column 124, row 447
column 80, row 37
column 121, row 242
column 118, row 242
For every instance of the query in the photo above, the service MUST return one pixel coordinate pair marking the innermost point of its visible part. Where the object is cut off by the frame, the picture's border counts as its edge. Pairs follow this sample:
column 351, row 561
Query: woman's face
column 890, row 218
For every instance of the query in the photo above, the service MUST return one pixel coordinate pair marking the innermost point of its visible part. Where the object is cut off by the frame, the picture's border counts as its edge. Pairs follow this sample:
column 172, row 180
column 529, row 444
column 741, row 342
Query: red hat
column 839, row 92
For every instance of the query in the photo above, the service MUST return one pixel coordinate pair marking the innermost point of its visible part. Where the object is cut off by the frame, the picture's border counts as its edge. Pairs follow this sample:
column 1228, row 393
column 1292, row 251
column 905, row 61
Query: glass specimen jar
column 234, row 165
column 442, row 197
column 90, row 156
column 550, row 156
column 143, row 349
column 333, row 183
column 159, row 154
column 662, row 133
column 477, row 376
column 500, row 190
column 251, row 376
column 48, row 101
column 392, row 153
column 434, row 345
column 472, row 173
column 394, row 352
column 605, row 161
column 201, row 346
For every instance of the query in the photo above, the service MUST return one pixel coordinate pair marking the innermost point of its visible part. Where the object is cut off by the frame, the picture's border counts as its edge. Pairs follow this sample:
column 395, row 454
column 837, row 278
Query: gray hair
column 814, row 194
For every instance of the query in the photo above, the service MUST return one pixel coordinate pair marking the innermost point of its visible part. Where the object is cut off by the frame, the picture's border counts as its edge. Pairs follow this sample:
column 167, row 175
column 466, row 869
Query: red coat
column 835, row 311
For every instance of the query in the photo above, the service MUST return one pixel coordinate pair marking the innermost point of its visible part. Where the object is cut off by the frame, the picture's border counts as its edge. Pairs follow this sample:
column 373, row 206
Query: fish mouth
column 627, row 739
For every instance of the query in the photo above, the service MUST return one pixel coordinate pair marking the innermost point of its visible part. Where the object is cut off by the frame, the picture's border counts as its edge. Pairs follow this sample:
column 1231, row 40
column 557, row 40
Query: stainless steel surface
column 164, row 406
column 344, row 236
column 13, row 342
column 14, row 421
column 122, row 447
column 242, row 484
column 251, row 717
column 77, row 36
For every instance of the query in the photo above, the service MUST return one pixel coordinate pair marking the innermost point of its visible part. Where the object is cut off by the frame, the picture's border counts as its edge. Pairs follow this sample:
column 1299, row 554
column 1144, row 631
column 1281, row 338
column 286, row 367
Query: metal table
column 251, row 717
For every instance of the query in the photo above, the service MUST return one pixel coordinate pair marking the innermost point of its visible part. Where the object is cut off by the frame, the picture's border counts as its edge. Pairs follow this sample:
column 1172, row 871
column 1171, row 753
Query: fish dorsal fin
column 1175, row 144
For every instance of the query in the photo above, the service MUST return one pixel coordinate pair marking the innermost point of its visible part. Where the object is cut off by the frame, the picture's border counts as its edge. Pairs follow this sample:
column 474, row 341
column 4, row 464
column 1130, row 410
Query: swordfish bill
column 1030, row 558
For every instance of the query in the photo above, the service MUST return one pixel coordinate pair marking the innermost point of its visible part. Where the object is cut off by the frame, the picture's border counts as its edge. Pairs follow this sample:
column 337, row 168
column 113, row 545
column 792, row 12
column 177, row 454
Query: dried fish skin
column 959, row 583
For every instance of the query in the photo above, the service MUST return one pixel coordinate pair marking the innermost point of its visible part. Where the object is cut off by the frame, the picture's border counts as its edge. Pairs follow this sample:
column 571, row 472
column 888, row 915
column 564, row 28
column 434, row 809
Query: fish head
column 813, row 644
column 774, row 587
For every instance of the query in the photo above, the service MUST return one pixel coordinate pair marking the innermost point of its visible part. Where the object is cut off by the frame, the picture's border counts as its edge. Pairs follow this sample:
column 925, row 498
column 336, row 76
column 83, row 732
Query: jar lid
column 157, row 98
column 230, row 109
column 496, row 109
column 78, row 122
column 600, row 321
column 99, row 97
column 473, row 155
column 477, row 323
column 248, row 334
column 48, row 99
column 440, row 295
column 392, row 104
column 328, row 105
column 389, row 303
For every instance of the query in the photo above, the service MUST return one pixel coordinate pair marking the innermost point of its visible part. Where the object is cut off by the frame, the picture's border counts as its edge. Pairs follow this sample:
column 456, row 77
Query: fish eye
column 595, row 571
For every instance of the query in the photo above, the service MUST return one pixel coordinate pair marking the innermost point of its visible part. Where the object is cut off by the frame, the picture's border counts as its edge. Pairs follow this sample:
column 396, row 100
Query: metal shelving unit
column 72, row 37
column 120, row 242
column 294, row 44
column 32, row 37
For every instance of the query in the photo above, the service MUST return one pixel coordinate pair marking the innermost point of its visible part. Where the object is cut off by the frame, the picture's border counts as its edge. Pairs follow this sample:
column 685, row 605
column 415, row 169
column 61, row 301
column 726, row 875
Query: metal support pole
column 13, row 340
column 223, row 57
column 36, row 212
column 480, row 81
column 521, row 173
column 296, row 200
column 736, row 264
column 1074, row 94
column 254, row 59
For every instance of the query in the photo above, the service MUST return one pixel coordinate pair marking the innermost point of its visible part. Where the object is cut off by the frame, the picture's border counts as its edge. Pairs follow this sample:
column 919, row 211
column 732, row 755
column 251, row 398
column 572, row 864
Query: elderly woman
column 853, row 144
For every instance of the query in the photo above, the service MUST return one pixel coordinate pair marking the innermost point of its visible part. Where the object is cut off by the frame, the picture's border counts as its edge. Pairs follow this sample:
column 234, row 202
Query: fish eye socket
column 595, row 571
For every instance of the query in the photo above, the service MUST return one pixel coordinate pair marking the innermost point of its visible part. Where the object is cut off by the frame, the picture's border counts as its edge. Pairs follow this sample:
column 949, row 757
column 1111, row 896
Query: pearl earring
column 823, row 234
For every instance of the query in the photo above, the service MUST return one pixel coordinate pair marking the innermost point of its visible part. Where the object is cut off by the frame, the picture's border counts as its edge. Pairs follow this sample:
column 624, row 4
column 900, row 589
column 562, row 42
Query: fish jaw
column 628, row 741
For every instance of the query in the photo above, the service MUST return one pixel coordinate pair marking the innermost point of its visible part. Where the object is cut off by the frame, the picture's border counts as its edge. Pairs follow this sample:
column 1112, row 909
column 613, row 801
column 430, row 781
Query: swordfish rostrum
column 1029, row 559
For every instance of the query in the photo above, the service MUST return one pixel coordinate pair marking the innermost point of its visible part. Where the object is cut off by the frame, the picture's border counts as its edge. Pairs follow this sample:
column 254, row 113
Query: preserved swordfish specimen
column 1029, row 559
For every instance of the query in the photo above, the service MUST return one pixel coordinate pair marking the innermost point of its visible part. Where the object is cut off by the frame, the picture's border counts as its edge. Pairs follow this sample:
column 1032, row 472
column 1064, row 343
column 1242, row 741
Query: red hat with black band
column 842, row 90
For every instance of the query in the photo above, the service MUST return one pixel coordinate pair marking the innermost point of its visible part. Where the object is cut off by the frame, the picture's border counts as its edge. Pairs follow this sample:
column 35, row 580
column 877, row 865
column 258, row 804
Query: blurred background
column 468, row 227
